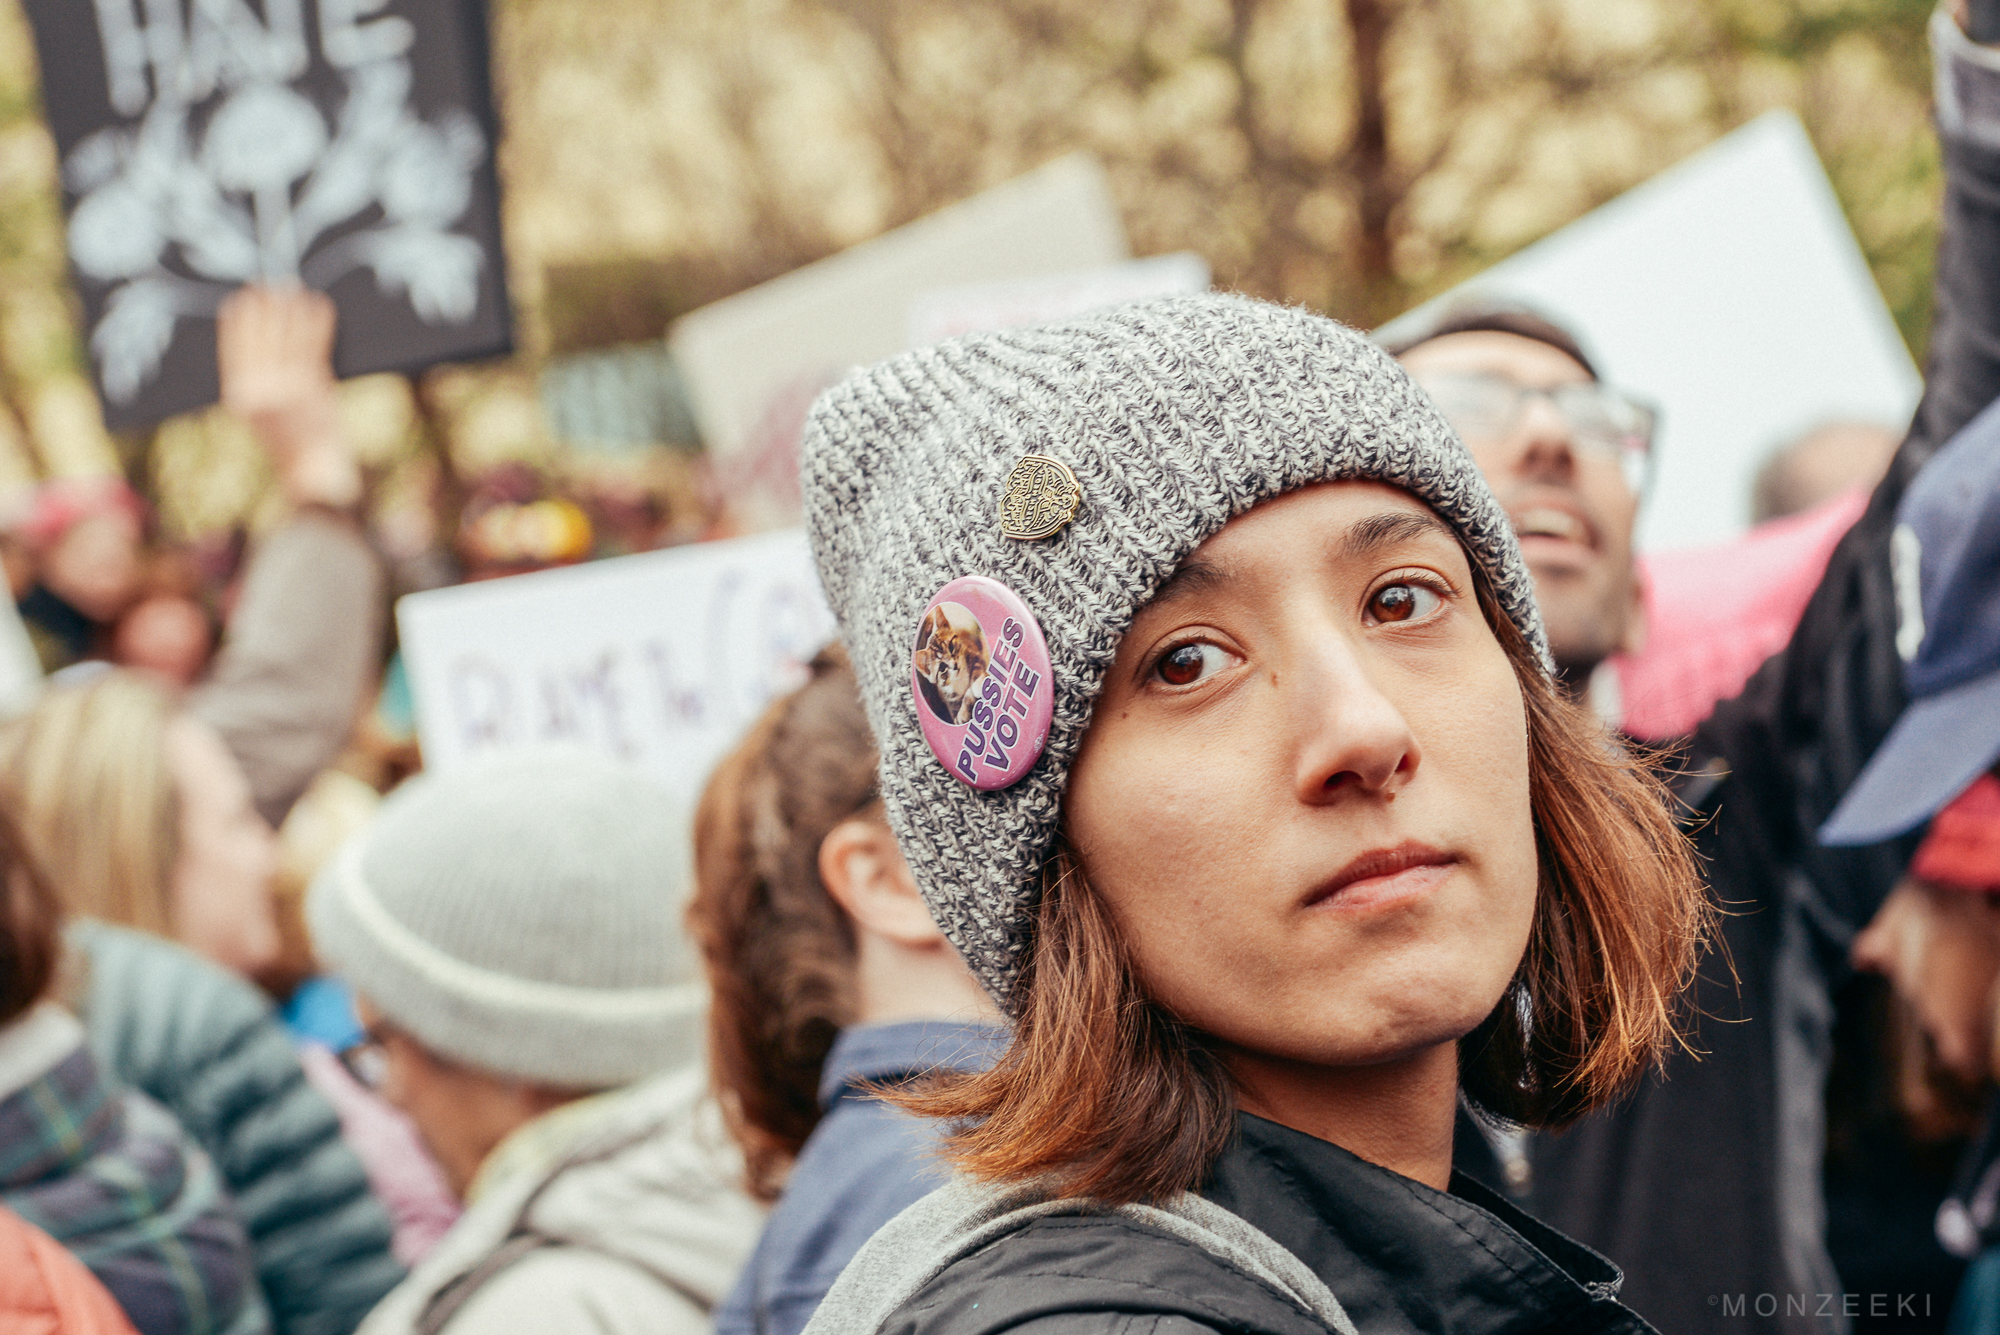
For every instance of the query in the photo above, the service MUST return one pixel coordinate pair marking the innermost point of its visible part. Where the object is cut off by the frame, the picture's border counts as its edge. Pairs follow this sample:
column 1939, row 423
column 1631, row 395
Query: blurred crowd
column 297, row 1038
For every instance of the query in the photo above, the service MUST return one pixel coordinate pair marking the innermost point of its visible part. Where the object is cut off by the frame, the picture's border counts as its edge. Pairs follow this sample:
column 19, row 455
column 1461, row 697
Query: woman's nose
column 1355, row 737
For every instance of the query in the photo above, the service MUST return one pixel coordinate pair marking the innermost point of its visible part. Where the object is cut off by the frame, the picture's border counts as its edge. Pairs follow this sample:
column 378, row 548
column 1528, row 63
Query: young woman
column 1217, row 729
column 830, row 979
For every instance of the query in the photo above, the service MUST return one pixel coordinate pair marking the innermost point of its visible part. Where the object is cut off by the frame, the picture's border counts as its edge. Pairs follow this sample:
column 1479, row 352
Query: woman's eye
column 1186, row 664
column 1403, row 602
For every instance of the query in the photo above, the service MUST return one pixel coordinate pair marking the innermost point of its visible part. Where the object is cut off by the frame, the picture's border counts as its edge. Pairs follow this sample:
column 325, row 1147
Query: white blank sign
column 947, row 312
column 743, row 352
column 661, row 659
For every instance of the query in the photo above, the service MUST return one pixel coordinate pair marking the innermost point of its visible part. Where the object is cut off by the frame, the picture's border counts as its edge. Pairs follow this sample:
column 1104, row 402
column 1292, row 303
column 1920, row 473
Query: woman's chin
column 1396, row 1036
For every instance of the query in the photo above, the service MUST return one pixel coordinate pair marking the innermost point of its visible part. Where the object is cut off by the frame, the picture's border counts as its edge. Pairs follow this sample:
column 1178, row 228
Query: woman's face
column 1941, row 950
column 1304, row 791
column 221, row 887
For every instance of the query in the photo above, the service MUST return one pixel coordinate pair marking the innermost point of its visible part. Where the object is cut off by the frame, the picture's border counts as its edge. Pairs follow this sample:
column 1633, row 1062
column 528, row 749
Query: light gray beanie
column 1174, row 416
column 523, row 915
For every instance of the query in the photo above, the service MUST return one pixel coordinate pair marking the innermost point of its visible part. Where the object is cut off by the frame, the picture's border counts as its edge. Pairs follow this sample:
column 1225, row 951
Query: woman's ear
column 864, row 871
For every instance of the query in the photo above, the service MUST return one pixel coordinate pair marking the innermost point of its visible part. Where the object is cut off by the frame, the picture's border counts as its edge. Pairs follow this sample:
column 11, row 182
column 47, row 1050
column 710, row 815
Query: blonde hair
column 86, row 776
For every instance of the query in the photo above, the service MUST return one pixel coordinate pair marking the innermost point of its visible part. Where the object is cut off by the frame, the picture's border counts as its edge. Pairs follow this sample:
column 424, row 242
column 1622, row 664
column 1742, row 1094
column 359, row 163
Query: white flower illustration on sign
column 254, row 193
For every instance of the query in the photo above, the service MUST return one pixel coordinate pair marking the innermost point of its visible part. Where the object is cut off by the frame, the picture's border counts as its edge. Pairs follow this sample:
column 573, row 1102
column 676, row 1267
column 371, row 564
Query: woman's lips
column 1385, row 876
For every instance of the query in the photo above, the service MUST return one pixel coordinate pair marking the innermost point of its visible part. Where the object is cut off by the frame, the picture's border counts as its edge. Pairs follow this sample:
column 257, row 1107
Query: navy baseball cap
column 1946, row 558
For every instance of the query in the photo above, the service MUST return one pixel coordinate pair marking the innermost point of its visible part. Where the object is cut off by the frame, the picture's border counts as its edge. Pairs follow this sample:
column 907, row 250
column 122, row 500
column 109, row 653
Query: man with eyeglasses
column 1567, row 455
column 1704, row 1184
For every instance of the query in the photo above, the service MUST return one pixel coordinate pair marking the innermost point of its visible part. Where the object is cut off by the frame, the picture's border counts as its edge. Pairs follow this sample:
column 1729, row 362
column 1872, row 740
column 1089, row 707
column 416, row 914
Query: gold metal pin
column 1042, row 496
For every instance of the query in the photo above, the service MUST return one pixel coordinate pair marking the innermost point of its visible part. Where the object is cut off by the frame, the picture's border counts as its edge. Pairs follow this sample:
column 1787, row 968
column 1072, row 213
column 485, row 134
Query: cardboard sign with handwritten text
column 662, row 659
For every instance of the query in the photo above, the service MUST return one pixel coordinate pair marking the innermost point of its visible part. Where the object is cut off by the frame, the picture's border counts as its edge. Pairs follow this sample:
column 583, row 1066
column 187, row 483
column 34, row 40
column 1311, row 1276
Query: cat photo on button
column 950, row 660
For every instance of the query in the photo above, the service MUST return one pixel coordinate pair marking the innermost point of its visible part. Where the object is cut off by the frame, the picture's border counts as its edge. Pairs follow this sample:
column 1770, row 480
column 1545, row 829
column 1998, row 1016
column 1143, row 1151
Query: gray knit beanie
column 523, row 915
column 1146, row 428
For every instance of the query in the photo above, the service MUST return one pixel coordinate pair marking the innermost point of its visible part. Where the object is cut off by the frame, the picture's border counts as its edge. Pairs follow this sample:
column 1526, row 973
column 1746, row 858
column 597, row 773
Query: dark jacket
column 1704, row 1185
column 207, row 1045
column 1291, row 1236
column 109, row 1175
column 1976, row 1308
column 1968, row 1227
column 864, row 1163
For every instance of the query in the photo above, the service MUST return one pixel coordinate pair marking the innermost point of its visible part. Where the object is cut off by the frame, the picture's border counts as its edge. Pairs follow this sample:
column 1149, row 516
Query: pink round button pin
column 980, row 674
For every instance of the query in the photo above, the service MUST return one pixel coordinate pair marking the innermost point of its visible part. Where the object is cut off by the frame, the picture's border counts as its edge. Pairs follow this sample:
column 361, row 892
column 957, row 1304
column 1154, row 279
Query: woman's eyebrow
column 1369, row 536
column 1194, row 576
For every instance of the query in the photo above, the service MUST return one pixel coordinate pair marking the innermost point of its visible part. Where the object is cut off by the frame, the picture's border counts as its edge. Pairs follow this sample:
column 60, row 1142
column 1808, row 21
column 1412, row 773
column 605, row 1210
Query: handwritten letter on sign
column 662, row 659
column 343, row 144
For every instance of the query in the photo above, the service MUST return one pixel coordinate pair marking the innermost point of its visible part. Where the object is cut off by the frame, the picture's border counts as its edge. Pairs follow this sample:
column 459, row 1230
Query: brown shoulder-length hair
column 1104, row 1093
column 779, row 952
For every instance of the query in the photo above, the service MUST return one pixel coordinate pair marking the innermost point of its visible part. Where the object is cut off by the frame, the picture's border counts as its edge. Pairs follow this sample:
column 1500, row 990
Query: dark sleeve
column 205, row 1044
column 1964, row 371
column 1812, row 716
column 300, row 652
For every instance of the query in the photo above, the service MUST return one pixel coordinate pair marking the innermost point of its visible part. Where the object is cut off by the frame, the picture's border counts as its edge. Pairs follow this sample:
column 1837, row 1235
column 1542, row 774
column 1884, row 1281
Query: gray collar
column 957, row 1220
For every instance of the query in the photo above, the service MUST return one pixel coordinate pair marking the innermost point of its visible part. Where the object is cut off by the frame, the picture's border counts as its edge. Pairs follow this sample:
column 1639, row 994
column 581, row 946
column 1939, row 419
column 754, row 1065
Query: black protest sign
column 343, row 144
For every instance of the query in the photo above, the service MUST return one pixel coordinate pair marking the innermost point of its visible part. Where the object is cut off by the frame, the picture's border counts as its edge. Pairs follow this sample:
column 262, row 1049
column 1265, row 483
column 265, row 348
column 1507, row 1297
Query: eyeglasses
column 1602, row 421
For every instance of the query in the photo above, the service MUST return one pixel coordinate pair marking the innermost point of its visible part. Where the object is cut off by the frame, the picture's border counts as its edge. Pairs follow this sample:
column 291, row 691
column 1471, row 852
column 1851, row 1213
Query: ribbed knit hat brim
column 523, row 916
column 1175, row 416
